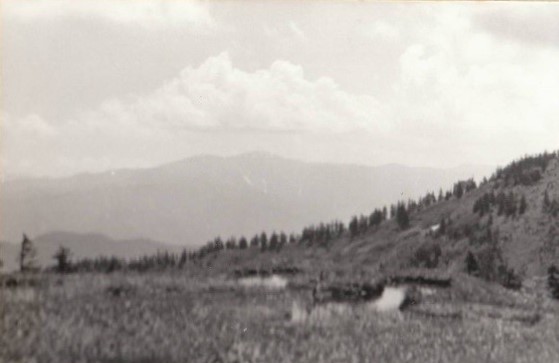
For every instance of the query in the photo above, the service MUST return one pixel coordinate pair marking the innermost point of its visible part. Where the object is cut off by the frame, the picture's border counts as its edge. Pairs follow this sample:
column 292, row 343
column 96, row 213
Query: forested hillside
column 503, row 230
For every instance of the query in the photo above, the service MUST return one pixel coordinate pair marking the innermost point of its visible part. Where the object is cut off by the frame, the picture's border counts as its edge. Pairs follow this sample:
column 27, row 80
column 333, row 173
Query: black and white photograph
column 280, row 181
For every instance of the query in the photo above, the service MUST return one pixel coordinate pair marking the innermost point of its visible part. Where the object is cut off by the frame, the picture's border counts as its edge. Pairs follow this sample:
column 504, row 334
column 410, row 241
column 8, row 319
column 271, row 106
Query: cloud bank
column 415, row 83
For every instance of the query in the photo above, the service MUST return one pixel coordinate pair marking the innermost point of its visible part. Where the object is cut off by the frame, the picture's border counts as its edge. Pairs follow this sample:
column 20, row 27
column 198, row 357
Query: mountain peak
column 257, row 154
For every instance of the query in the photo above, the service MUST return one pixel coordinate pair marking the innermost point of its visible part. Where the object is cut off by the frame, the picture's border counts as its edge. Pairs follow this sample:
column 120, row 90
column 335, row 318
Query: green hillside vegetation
column 503, row 230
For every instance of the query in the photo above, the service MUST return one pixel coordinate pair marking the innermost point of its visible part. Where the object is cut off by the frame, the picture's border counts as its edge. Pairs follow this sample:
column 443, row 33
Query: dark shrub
column 427, row 255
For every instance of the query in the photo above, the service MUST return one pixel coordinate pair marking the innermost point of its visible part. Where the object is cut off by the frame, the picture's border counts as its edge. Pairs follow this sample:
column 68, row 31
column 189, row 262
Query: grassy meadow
column 169, row 317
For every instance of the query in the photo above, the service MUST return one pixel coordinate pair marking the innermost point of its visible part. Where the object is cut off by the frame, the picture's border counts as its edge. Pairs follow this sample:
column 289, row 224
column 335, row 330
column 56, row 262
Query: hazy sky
column 93, row 85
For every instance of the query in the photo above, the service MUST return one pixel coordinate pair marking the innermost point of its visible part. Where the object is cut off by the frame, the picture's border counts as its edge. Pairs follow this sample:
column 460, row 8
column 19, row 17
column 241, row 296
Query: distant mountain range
column 190, row 201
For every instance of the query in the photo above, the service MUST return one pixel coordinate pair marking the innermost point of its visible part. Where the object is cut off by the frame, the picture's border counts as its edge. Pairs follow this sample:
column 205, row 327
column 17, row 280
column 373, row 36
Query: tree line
column 525, row 171
column 320, row 234
column 522, row 171
column 507, row 204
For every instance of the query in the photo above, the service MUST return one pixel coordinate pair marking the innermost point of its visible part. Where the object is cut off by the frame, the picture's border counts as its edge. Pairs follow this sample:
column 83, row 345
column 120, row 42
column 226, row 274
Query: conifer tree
column 27, row 255
column 553, row 281
column 231, row 243
column 510, row 204
column 402, row 217
column 354, row 226
column 292, row 238
column 254, row 241
column 523, row 205
column 218, row 244
column 442, row 226
column 363, row 224
column 263, row 241
column 62, row 257
column 183, row 258
column 274, row 242
column 458, row 190
column 546, row 201
column 472, row 267
column 282, row 239
column 243, row 244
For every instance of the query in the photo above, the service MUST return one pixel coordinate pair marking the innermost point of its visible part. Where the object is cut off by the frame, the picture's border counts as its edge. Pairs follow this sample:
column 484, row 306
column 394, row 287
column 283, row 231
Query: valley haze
column 190, row 201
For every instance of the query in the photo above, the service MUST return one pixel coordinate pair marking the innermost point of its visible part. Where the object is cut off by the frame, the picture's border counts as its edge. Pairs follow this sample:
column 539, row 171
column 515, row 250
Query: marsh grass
column 171, row 318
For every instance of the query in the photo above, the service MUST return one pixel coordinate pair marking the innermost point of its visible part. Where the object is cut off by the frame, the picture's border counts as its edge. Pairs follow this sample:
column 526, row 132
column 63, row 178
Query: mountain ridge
column 246, row 155
column 189, row 201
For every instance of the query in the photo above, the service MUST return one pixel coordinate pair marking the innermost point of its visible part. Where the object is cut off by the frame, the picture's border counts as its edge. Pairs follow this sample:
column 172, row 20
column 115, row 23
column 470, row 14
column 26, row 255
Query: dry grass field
column 168, row 317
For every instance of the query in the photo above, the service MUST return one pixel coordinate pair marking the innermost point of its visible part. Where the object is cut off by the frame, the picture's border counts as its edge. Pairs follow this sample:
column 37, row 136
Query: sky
column 89, row 86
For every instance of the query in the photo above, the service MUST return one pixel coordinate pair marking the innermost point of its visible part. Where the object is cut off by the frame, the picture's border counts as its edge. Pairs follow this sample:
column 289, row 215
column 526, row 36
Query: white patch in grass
column 273, row 282
column 390, row 300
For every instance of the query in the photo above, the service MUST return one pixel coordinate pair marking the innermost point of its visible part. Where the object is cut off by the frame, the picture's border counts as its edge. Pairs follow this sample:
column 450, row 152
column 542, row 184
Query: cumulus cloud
column 146, row 13
column 213, row 98
column 216, row 96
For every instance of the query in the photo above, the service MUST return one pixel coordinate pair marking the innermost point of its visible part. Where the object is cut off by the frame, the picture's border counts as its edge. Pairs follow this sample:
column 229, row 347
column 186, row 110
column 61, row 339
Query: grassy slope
column 527, row 241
